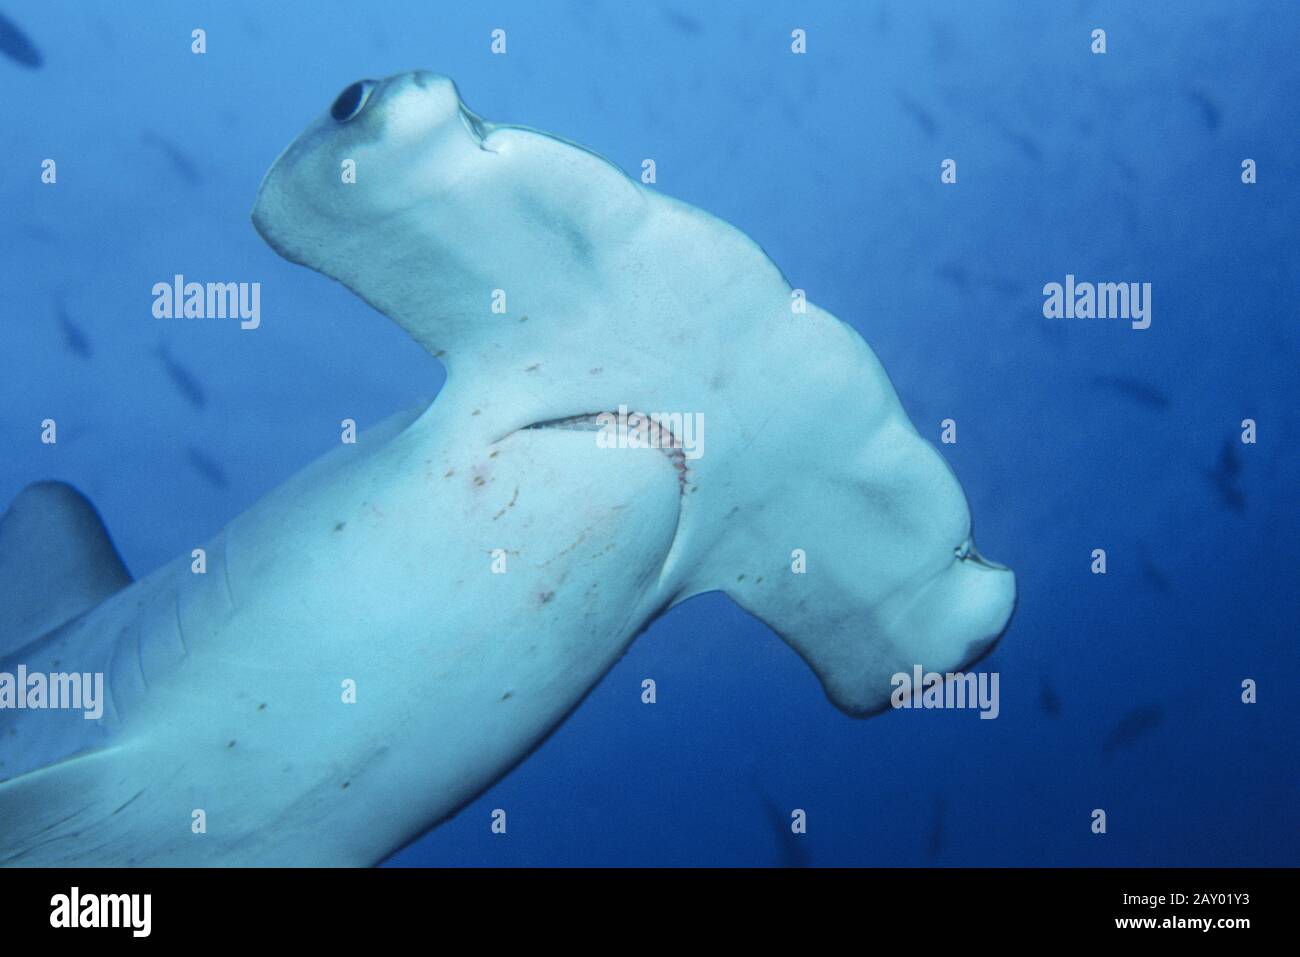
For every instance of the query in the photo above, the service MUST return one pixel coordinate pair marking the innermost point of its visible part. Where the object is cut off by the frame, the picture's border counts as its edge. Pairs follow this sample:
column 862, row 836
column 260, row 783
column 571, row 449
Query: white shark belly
column 228, row 689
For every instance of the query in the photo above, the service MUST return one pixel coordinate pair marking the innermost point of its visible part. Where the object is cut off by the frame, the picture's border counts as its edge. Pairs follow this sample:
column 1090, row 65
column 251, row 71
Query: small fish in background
column 185, row 382
column 943, row 42
column 923, row 118
column 1134, row 390
column 1128, row 170
column 954, row 274
column 1132, row 726
column 934, row 847
column 1151, row 573
column 1228, row 465
column 792, row 114
column 962, row 279
column 208, row 467
column 793, row 853
column 250, row 28
column 104, row 33
column 39, row 233
column 17, row 46
column 73, row 337
column 1224, row 477
column 180, row 162
column 681, row 22
column 1008, row 288
column 1049, row 702
column 1027, row 146
column 1211, row 115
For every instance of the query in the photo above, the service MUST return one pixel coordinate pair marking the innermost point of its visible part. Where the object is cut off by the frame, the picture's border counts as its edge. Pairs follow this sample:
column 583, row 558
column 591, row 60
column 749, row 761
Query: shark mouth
column 631, row 430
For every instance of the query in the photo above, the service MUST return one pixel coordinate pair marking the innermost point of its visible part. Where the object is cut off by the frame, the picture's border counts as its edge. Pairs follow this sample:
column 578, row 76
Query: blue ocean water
column 1119, row 691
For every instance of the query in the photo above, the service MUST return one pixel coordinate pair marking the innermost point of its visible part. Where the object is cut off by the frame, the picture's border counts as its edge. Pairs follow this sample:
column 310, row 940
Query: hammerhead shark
column 389, row 632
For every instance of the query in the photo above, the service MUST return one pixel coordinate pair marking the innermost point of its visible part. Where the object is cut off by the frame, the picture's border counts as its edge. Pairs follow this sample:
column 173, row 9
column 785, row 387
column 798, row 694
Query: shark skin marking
column 372, row 569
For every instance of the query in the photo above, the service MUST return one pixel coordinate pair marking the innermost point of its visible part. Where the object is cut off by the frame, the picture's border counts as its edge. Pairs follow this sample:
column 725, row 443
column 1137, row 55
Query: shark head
column 558, row 291
column 427, row 210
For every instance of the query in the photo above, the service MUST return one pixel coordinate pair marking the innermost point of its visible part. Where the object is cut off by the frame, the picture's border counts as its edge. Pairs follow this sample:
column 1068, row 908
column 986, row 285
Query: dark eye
column 351, row 101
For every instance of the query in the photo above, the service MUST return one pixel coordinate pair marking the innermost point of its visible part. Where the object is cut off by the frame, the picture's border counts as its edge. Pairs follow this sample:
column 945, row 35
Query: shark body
column 388, row 633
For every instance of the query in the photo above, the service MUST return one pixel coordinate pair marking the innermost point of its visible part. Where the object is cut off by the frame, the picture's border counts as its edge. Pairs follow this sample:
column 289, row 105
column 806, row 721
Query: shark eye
column 351, row 101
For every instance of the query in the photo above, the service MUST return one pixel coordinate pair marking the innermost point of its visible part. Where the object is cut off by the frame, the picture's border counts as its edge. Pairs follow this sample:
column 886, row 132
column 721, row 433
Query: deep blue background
column 1117, row 167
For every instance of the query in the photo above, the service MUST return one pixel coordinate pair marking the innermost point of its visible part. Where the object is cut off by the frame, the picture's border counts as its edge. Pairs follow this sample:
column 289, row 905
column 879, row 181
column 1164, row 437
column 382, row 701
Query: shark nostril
column 351, row 101
column 966, row 552
column 473, row 124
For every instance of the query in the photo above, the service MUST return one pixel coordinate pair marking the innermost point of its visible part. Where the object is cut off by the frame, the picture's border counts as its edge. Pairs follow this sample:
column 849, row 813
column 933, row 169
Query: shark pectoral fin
column 56, row 562
column 47, row 815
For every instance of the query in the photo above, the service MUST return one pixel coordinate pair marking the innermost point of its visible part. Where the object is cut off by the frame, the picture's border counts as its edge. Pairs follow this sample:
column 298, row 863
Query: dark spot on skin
column 54, row 663
column 758, row 579
column 582, row 249
column 262, row 706
column 478, row 480
column 440, row 353
column 523, row 318
column 495, row 454
column 231, row 744
column 533, row 367
column 509, row 505
column 338, row 526
column 449, row 473
column 546, row 597
column 598, row 370
column 506, row 695
column 345, row 785
column 740, row 578
column 475, row 412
